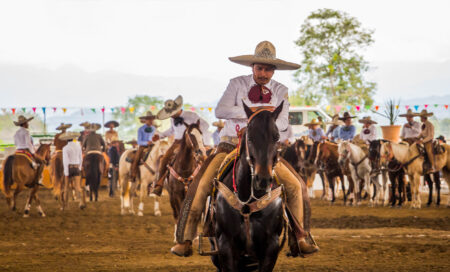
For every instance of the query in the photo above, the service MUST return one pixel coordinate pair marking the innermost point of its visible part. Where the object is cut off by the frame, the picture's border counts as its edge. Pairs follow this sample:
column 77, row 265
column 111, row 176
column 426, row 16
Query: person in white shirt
column 411, row 130
column 216, row 134
column 72, row 162
column 257, row 91
column 179, row 119
column 368, row 131
column 24, row 143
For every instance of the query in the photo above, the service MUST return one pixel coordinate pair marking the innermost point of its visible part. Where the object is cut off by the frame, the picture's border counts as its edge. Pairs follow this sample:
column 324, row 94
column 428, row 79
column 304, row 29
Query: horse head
column 194, row 138
column 374, row 153
column 386, row 153
column 344, row 151
column 260, row 142
column 44, row 152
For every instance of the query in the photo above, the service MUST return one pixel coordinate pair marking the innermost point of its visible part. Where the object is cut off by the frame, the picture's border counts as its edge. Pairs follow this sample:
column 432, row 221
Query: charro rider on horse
column 411, row 130
column 93, row 141
column 179, row 119
column 347, row 131
column 333, row 130
column 368, row 131
column 426, row 137
column 145, row 134
column 85, row 132
column 57, row 142
column 111, row 135
column 24, row 144
column 257, row 90
column 315, row 132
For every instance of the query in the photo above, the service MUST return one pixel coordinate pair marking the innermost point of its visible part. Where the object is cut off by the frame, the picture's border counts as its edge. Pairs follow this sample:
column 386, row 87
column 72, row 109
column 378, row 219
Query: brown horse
column 94, row 165
column 327, row 156
column 185, row 166
column 18, row 170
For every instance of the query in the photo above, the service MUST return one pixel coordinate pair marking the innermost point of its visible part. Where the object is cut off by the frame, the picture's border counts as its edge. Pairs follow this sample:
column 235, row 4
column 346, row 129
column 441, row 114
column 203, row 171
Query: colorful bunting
column 192, row 109
column 377, row 107
column 328, row 108
column 367, row 107
column 13, row 111
column 210, row 109
column 64, row 110
column 357, row 108
column 24, row 109
column 54, row 109
column 103, row 109
column 93, row 110
column 122, row 109
column 416, row 107
column 34, row 109
column 337, row 108
column 131, row 109
column 426, row 106
column 396, row 107
column 43, row 109
column 349, row 107
column 406, row 107
column 446, row 107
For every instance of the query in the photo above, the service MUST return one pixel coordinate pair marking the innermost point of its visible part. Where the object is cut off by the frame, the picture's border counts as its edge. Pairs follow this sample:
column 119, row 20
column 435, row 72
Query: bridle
column 198, row 155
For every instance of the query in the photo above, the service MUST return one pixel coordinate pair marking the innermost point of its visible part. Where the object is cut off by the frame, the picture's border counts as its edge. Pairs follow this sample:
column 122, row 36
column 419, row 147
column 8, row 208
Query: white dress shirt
column 371, row 136
column 412, row 132
column 189, row 118
column 23, row 140
column 231, row 109
column 72, row 154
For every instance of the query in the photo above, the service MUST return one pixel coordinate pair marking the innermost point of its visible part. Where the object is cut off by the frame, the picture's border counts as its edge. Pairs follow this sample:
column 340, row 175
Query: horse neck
column 402, row 153
column 41, row 150
column 243, row 177
column 333, row 150
column 356, row 153
column 154, row 154
column 185, row 158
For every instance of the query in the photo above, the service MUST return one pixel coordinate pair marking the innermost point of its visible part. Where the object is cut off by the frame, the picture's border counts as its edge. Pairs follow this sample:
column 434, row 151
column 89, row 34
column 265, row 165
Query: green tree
column 129, row 121
column 333, row 68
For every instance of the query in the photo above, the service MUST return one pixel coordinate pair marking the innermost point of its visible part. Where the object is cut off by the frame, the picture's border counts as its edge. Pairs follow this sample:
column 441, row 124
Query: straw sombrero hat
column 148, row 115
column 367, row 119
column 69, row 135
column 171, row 107
column 112, row 122
column 313, row 122
column 409, row 112
column 425, row 113
column 219, row 124
column 63, row 126
column 94, row 127
column 265, row 53
column 85, row 124
column 22, row 120
column 335, row 121
column 345, row 116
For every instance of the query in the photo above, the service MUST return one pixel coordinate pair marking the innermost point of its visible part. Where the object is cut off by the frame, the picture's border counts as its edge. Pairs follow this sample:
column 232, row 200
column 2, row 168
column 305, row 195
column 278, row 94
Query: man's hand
column 149, row 143
column 155, row 138
column 407, row 125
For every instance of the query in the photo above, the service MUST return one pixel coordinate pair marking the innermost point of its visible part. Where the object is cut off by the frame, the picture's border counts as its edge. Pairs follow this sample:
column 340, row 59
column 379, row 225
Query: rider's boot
column 307, row 248
column 158, row 185
column 182, row 249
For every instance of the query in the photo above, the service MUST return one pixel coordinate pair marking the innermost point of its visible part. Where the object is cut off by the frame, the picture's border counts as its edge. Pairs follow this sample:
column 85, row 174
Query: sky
column 99, row 52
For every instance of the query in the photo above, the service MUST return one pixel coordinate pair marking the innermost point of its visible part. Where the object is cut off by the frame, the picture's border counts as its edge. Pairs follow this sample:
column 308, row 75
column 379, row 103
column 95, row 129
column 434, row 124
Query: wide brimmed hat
column 367, row 119
column 425, row 113
column 219, row 124
column 69, row 135
column 335, row 121
column 63, row 126
column 94, row 127
column 409, row 112
column 132, row 142
column 148, row 115
column 85, row 124
column 265, row 53
column 22, row 120
column 112, row 122
column 313, row 122
column 346, row 116
column 171, row 107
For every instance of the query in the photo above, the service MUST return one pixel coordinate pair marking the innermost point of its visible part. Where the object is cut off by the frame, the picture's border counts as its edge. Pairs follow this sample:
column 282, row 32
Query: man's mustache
column 263, row 78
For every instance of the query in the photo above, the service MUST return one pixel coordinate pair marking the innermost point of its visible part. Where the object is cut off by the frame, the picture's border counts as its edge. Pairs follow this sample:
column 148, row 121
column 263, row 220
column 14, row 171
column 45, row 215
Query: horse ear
column 198, row 122
column 277, row 111
column 247, row 110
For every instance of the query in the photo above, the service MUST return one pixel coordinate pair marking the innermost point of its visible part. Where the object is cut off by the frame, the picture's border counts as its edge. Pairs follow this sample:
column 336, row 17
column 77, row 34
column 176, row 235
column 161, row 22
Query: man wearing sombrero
column 144, row 141
column 368, row 131
column 111, row 135
column 347, row 131
column 24, row 143
column 256, row 90
column 179, row 118
column 93, row 141
column 411, row 130
column 315, row 132
column 426, row 137
column 216, row 134
column 333, row 130
column 85, row 132
column 58, row 143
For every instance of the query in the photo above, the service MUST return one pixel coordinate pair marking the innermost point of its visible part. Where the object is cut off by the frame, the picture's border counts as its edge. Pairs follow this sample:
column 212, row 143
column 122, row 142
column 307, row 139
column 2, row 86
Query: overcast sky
column 176, row 39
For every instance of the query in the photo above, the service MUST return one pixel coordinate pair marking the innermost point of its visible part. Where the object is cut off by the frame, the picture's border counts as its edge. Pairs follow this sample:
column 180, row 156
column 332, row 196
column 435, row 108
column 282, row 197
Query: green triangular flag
column 436, row 105
column 93, row 110
column 24, row 109
column 367, row 107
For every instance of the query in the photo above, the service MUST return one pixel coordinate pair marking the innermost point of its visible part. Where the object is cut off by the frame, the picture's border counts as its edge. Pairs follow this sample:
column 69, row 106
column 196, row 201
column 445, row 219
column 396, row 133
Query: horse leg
column 26, row 212
column 229, row 260
column 394, row 183
column 331, row 183
column 81, row 194
column 142, row 194
column 427, row 178
column 132, row 192
column 324, row 185
column 385, row 188
column 437, row 182
column 38, row 202
column 416, row 192
column 268, row 260
column 369, row 188
column 14, row 198
column 446, row 174
column 341, row 178
column 156, row 208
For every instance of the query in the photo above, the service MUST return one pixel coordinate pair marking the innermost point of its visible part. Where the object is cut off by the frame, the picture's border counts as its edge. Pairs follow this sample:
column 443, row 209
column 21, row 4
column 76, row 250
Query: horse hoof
column 26, row 215
column 122, row 212
column 82, row 207
column 158, row 213
column 42, row 214
column 13, row 209
column 140, row 213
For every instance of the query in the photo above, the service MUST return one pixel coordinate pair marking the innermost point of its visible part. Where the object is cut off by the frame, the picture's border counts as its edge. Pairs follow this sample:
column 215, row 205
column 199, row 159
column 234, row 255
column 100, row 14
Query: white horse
column 147, row 175
column 412, row 160
column 360, row 169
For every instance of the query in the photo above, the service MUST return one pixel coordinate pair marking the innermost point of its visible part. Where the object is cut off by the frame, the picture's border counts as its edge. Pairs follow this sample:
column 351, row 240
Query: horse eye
column 276, row 137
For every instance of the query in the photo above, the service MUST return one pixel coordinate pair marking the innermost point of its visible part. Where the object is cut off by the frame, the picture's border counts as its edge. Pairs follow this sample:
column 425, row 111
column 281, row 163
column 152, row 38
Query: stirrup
column 213, row 252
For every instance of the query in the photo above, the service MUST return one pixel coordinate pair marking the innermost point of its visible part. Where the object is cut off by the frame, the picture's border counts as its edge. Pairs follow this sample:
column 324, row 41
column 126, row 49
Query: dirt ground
column 100, row 239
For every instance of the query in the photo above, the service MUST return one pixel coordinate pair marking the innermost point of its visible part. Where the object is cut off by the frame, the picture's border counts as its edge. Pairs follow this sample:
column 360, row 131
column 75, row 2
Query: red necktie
column 259, row 94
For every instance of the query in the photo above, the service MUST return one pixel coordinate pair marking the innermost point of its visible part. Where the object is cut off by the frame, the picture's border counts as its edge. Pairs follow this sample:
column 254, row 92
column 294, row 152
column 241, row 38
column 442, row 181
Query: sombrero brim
column 94, row 127
column 249, row 60
column 164, row 114
column 406, row 115
column 66, row 137
column 64, row 127
column 426, row 115
column 343, row 118
column 312, row 124
column 115, row 123
column 23, row 122
column 337, row 123
column 366, row 121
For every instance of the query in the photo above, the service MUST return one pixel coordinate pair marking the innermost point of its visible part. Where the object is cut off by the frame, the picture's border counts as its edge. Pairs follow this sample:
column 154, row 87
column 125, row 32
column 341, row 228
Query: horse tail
column 58, row 174
column 7, row 174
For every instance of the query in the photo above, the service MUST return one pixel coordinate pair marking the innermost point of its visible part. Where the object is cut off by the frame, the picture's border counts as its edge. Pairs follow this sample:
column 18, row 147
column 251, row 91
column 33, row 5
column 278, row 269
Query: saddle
column 26, row 154
column 438, row 148
column 132, row 155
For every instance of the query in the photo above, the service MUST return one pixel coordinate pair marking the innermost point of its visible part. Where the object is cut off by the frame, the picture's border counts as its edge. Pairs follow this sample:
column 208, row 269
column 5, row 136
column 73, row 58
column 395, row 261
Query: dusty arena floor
column 100, row 239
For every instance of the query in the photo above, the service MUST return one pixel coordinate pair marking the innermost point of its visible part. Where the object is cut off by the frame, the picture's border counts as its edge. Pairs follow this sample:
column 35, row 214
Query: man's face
column 262, row 73
column 25, row 125
column 149, row 122
column 409, row 118
column 423, row 118
column 348, row 121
